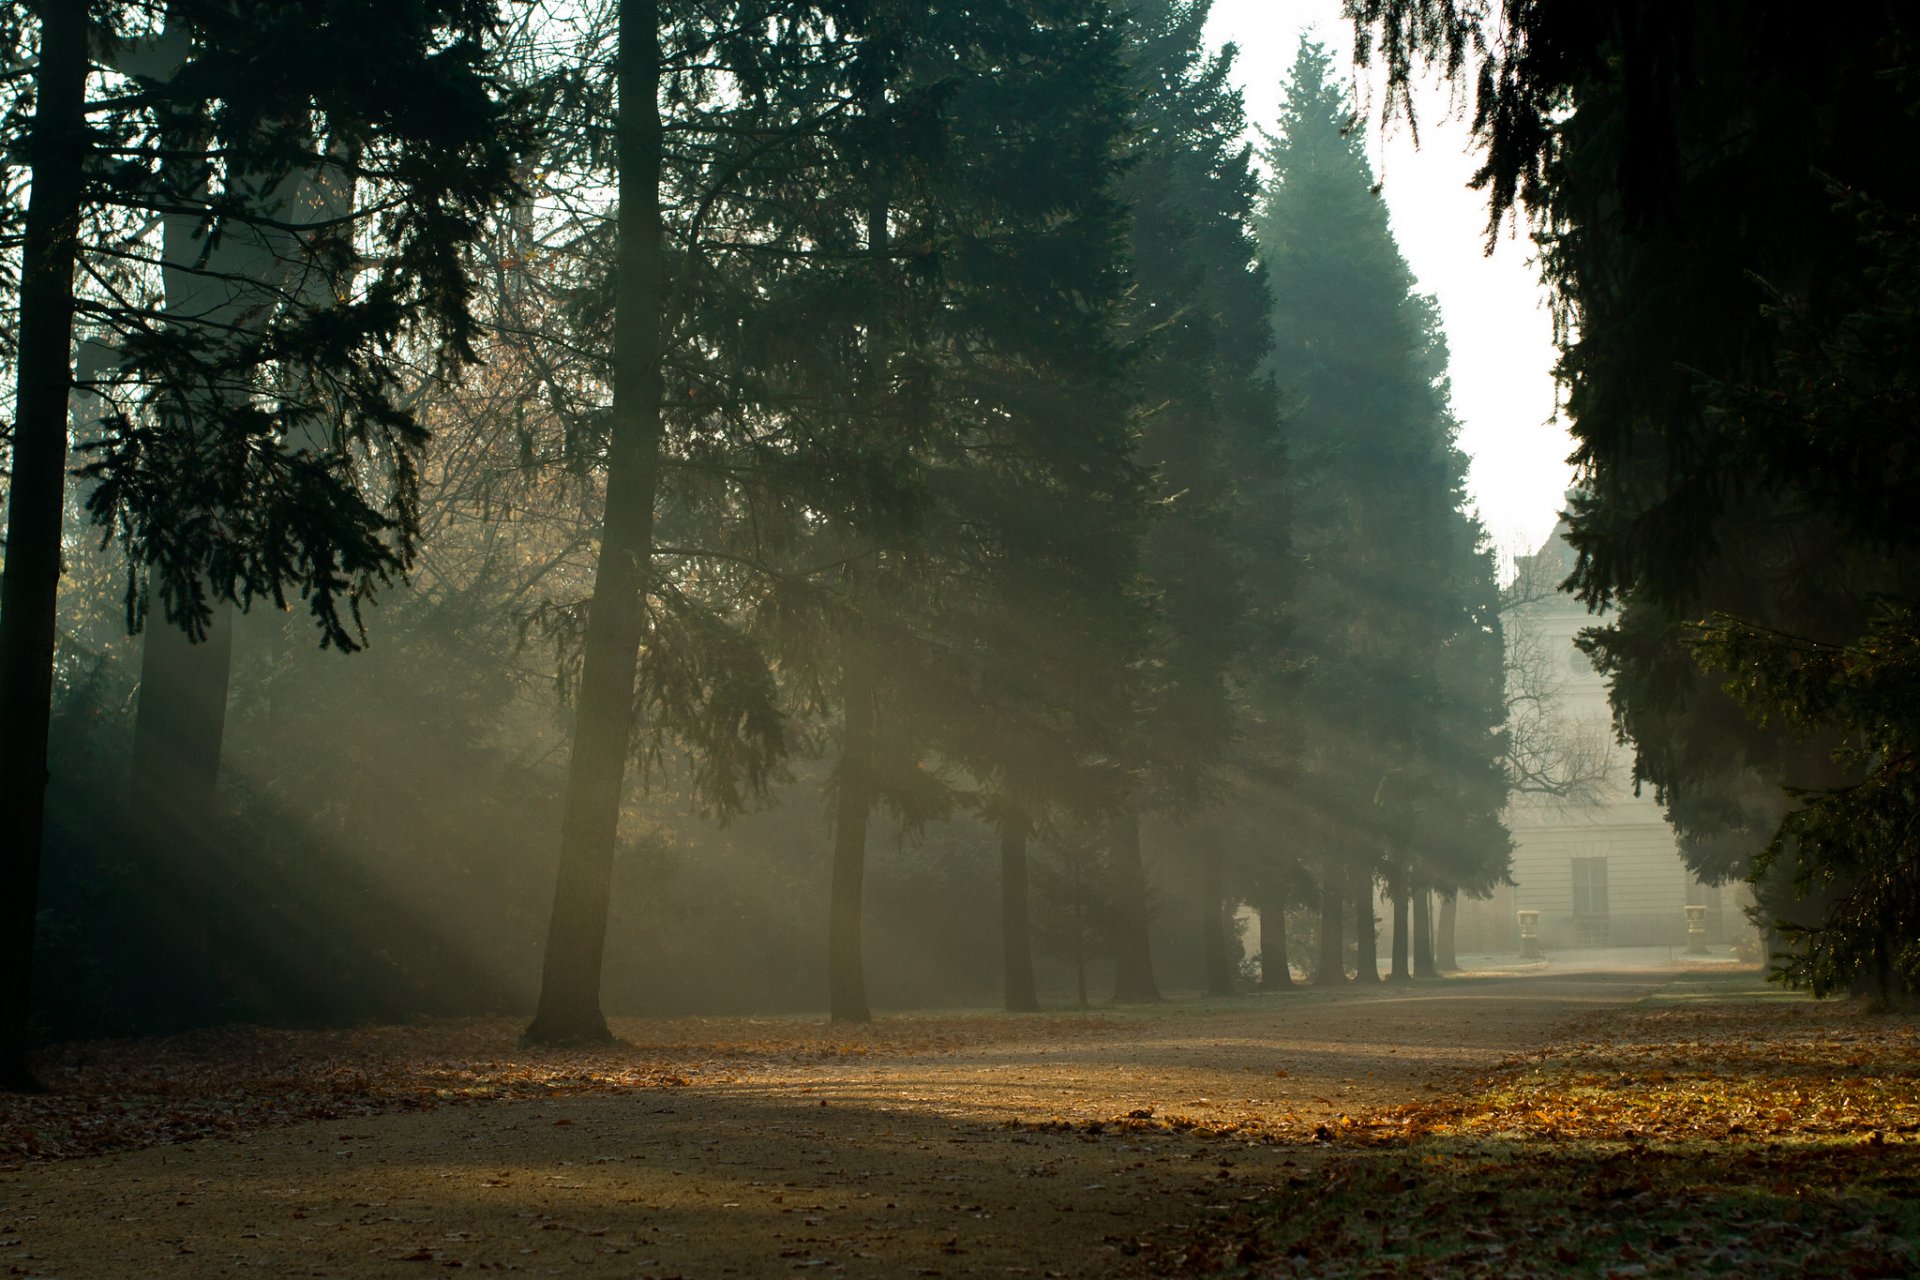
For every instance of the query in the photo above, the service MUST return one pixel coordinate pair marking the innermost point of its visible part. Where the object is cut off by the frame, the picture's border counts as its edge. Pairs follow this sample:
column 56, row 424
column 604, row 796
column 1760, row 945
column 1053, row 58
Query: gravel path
column 978, row 1159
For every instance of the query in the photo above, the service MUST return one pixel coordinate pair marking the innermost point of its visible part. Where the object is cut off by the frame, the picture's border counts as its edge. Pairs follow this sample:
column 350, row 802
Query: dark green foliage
column 1199, row 309
column 1393, row 675
column 1726, row 199
column 259, row 443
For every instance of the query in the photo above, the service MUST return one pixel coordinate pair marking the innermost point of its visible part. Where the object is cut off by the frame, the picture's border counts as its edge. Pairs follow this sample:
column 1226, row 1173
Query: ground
column 1481, row 1125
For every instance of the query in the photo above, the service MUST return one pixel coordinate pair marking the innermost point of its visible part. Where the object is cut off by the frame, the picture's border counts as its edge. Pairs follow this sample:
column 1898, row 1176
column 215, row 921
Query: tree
column 1732, row 303
column 1547, row 755
column 650, row 651
column 1200, row 310
column 990, row 633
column 223, row 496
column 862, row 336
column 1393, row 626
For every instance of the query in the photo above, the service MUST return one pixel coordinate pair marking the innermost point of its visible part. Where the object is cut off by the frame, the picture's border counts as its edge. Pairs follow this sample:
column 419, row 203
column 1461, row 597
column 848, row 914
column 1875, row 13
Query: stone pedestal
column 1696, row 931
column 1530, row 935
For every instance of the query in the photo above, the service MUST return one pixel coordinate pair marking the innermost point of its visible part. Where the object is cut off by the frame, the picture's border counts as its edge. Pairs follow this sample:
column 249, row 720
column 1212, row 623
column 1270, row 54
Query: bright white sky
column 1498, row 330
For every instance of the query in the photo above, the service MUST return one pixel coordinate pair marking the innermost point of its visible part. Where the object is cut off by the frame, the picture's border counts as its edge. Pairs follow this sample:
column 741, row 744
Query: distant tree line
column 829, row 419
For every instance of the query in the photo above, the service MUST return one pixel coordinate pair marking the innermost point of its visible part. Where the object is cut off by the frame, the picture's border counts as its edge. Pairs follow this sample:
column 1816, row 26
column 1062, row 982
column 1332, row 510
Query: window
column 1590, row 902
column 1589, row 886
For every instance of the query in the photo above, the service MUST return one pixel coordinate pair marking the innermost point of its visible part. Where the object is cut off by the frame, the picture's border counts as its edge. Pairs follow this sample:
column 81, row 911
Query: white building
column 1604, row 871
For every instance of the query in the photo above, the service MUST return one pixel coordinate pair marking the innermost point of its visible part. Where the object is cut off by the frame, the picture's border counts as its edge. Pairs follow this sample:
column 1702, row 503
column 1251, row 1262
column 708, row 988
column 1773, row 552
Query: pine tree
column 683, row 285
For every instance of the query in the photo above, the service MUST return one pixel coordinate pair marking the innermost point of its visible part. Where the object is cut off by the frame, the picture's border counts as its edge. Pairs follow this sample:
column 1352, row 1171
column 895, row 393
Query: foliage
column 1855, row 846
column 315, row 185
column 1199, row 311
column 1733, row 302
column 1394, row 680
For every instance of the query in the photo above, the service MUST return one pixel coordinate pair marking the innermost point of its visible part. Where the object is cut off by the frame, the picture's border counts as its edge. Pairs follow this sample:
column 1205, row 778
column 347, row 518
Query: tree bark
column 853, row 806
column 1016, row 943
column 1423, row 966
column 1397, row 890
column 569, row 1010
column 56, row 150
column 1213, row 923
column 1133, row 981
column 1275, row 971
column 1331, row 968
column 1366, row 934
column 1445, row 958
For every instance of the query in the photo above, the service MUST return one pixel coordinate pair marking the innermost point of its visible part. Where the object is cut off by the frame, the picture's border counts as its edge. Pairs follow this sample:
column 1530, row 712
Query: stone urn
column 1696, row 931
column 1530, row 935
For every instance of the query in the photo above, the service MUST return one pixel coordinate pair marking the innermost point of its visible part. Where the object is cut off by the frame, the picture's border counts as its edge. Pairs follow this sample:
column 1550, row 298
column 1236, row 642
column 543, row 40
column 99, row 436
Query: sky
column 1498, row 330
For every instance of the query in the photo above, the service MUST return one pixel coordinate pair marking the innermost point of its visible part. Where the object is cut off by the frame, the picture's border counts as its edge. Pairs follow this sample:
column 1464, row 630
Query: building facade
column 1602, row 869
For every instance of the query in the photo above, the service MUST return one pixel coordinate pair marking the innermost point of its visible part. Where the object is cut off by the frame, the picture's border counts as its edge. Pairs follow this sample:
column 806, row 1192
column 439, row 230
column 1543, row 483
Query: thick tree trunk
column 174, row 788
column 1213, row 923
column 43, row 373
column 853, row 806
column 1366, row 932
column 1397, row 890
column 569, row 1009
column 1016, row 943
column 1133, row 981
column 1331, row 967
column 1444, row 956
column 1275, row 971
column 1423, row 966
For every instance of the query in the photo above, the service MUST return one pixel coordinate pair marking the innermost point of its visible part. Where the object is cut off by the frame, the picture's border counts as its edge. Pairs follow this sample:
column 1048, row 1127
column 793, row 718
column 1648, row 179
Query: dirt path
column 902, row 1164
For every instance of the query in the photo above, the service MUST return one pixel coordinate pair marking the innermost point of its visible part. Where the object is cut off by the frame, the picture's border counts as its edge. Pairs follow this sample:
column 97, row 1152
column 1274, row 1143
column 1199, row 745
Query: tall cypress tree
column 697, row 288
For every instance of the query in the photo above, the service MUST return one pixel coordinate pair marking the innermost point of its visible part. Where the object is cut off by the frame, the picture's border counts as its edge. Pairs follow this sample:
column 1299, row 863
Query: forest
column 594, row 513
column 917, row 489
column 1025, row 480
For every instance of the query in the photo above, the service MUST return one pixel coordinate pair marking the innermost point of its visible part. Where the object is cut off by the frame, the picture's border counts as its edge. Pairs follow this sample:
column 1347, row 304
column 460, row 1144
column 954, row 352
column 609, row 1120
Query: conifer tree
column 1199, row 312
column 990, row 633
column 1394, row 586
column 685, row 291
column 1735, row 309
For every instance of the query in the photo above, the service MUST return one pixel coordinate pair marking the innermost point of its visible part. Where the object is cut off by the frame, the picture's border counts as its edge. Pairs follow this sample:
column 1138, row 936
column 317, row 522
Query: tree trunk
column 1397, row 890
column 174, row 790
column 569, row 1010
column 1366, row 934
column 1423, row 966
column 1331, row 969
column 1275, row 971
column 1445, row 959
column 1016, row 944
column 1133, row 951
column 856, row 792
column 1213, row 923
column 43, row 377
column 853, row 806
